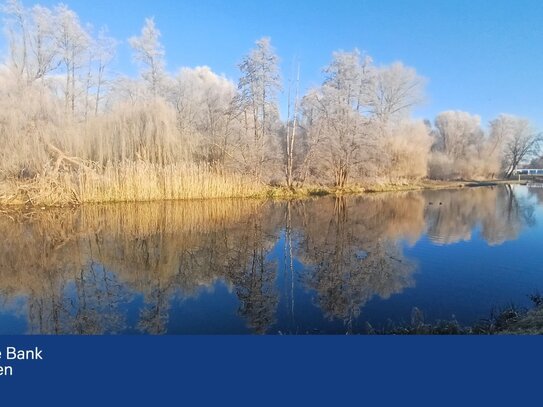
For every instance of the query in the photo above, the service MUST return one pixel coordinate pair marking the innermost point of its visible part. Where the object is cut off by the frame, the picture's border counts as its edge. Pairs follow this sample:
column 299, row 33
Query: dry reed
column 128, row 182
column 144, row 182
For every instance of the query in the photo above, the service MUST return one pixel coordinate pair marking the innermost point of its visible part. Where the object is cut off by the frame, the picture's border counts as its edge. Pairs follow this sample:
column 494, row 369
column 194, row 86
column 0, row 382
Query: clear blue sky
column 485, row 57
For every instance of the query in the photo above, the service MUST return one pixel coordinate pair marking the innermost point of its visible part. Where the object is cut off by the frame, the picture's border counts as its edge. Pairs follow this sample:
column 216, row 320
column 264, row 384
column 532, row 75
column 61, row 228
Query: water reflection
column 453, row 215
column 353, row 251
column 127, row 268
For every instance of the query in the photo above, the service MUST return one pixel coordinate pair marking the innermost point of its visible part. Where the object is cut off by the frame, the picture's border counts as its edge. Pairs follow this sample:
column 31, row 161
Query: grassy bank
column 143, row 182
column 508, row 321
column 421, row 185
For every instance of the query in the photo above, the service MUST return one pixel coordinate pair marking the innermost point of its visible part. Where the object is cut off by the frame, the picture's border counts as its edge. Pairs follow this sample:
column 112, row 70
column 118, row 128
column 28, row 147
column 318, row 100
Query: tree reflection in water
column 354, row 252
column 81, row 270
column 453, row 215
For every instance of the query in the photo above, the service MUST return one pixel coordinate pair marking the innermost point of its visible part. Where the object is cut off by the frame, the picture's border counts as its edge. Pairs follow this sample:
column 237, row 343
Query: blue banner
column 269, row 370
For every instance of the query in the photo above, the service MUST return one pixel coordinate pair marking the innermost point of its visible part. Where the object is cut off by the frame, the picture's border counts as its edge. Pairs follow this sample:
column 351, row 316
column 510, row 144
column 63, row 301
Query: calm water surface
column 325, row 265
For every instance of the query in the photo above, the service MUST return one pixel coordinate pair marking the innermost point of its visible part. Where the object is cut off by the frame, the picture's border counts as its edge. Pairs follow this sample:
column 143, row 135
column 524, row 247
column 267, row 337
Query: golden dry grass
column 128, row 182
column 138, row 181
column 144, row 182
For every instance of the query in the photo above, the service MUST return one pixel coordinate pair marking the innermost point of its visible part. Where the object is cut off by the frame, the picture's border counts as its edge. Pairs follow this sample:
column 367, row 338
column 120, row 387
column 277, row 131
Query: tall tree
column 149, row 52
column 291, row 132
column 44, row 49
column 202, row 101
column 16, row 23
column 73, row 43
column 337, row 109
column 456, row 132
column 394, row 91
column 257, row 101
column 519, row 141
column 460, row 147
column 103, row 52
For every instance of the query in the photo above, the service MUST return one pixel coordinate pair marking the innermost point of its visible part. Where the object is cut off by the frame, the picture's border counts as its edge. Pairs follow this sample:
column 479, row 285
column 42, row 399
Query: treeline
column 72, row 130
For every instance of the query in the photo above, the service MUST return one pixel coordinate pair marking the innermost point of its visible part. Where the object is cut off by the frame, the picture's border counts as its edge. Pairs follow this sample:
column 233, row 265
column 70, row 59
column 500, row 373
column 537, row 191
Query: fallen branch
column 63, row 157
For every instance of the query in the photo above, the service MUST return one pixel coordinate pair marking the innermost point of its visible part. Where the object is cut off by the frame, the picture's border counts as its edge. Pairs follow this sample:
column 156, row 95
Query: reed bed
column 144, row 182
column 128, row 182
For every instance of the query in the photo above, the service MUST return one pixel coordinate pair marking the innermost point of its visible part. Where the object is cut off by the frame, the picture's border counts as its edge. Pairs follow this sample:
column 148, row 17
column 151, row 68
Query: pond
column 317, row 266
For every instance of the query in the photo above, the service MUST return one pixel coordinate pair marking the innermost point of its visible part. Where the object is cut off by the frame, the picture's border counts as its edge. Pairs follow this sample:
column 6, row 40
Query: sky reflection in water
column 324, row 265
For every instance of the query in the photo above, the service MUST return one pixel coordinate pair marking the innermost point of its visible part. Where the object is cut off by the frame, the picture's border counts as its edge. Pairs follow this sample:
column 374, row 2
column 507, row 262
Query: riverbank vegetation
column 510, row 320
column 72, row 131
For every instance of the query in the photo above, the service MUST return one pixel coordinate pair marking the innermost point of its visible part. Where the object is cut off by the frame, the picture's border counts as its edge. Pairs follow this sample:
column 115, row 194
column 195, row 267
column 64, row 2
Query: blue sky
column 485, row 57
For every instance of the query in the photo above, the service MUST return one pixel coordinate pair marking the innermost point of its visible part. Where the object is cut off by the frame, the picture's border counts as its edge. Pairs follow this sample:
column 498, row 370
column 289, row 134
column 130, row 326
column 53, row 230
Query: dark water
column 238, row 267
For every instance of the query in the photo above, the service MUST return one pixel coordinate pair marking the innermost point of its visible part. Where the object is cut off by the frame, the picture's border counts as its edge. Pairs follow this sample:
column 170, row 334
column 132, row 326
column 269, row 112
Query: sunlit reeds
column 128, row 182
column 143, row 182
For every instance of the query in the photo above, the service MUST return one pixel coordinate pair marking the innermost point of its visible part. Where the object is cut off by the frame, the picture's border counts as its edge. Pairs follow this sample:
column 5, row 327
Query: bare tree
column 202, row 101
column 104, row 48
column 73, row 42
column 149, row 52
column 456, row 132
column 33, row 48
column 291, row 133
column 395, row 90
column 42, row 43
column 16, row 23
column 460, row 148
column 257, row 101
column 518, row 139
column 355, row 129
column 336, row 110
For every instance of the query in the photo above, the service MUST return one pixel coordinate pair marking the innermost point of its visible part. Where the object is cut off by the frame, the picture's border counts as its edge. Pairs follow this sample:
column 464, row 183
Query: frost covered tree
column 44, row 52
column 335, row 114
column 149, row 52
column 460, row 146
column 33, row 48
column 102, row 53
column 517, row 140
column 358, row 119
column 67, row 120
column 395, row 91
column 17, row 30
column 73, row 42
column 406, row 151
column 457, row 132
column 203, row 101
column 258, row 106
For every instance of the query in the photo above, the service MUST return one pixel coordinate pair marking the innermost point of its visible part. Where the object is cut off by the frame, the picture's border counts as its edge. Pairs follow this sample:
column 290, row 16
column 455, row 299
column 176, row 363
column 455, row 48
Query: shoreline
column 508, row 321
column 281, row 193
column 427, row 185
